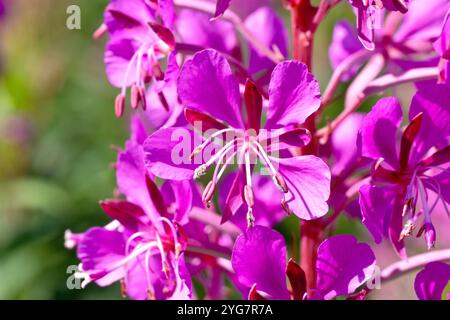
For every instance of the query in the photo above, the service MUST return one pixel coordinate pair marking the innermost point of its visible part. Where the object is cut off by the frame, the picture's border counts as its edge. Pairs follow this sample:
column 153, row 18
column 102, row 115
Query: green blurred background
column 57, row 129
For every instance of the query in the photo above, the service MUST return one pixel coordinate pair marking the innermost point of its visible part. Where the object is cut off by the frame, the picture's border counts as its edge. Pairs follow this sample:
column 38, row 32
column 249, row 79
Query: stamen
column 209, row 193
column 119, row 106
column 207, row 141
column 286, row 206
column 135, row 97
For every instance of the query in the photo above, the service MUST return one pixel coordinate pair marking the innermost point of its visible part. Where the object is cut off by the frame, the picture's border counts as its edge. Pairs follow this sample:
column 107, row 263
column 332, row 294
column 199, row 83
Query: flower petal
column 207, row 84
column 308, row 181
column 259, row 257
column 294, row 94
column 100, row 250
column 381, row 209
column 434, row 102
column 379, row 131
column 432, row 280
column 344, row 44
column 167, row 153
column 268, row 28
column 195, row 27
column 343, row 265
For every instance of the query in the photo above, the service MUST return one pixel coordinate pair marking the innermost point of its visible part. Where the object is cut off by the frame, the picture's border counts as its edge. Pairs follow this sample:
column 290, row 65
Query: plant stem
column 302, row 18
column 418, row 261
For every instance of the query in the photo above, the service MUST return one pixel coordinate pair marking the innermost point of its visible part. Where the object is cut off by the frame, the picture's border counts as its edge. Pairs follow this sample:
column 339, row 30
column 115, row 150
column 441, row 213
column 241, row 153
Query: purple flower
column 143, row 246
column 259, row 260
column 370, row 11
column 410, row 165
column 432, row 280
column 137, row 43
column 210, row 93
column 401, row 39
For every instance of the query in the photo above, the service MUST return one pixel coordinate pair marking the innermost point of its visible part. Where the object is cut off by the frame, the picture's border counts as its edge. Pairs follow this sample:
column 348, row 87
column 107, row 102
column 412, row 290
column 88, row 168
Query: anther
column 199, row 171
column 143, row 98
column 280, row 183
column 250, row 218
column 208, row 193
column 123, row 289
column 120, row 105
column 248, row 196
column 135, row 97
column 407, row 230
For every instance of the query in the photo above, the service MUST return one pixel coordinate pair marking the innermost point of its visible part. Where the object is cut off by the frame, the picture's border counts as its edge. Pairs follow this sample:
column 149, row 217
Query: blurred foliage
column 57, row 127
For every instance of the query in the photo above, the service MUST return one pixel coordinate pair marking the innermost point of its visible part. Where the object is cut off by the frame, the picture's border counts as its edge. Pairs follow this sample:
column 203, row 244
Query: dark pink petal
column 194, row 118
column 164, row 34
column 269, row 29
column 432, row 280
column 100, row 250
column 297, row 279
column 379, row 131
column 207, row 84
column 259, row 257
column 294, row 94
column 221, row 7
column 343, row 265
column 308, row 181
column 344, row 44
column 128, row 214
column 167, row 153
column 434, row 102
column 408, row 137
column 253, row 105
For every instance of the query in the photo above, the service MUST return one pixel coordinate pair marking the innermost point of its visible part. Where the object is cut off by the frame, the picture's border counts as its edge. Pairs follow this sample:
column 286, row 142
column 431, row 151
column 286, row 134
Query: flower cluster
column 229, row 138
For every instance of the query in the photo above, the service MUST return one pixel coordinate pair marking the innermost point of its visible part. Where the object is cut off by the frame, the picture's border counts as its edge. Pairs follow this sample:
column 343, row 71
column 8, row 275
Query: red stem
column 302, row 17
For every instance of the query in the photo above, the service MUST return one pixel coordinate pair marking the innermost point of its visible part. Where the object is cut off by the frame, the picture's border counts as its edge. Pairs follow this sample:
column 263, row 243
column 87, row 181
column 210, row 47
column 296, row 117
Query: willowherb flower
column 136, row 45
column 404, row 40
column 143, row 246
column 408, row 171
column 432, row 280
column 368, row 12
column 210, row 93
column 259, row 260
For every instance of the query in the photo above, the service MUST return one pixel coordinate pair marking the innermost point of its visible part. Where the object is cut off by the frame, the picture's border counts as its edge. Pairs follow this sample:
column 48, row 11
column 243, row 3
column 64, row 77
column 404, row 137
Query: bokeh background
column 57, row 138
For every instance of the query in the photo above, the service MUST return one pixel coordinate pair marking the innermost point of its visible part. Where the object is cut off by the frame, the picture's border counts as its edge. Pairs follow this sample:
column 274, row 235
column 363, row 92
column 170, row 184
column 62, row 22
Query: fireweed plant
column 225, row 145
